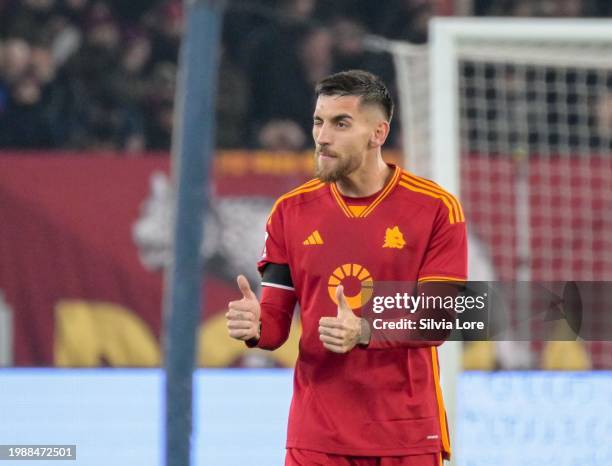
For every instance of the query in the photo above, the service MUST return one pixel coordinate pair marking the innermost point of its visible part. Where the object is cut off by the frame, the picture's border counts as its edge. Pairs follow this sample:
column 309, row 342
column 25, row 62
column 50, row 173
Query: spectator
column 287, row 93
column 348, row 49
column 26, row 123
column 281, row 136
column 130, row 83
column 101, row 72
column 159, row 107
column 16, row 59
column 269, row 54
column 29, row 19
column 232, row 104
column 363, row 12
column 408, row 20
column 159, row 127
column 3, row 90
column 105, row 121
column 75, row 11
column 167, row 29
column 66, row 40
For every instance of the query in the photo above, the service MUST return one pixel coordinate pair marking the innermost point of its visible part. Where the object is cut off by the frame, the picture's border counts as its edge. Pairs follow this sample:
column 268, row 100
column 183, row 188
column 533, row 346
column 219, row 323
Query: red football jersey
column 370, row 401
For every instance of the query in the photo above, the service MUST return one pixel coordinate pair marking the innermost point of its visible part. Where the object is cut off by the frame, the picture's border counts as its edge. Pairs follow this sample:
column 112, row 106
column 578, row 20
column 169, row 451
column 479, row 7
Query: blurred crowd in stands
column 101, row 74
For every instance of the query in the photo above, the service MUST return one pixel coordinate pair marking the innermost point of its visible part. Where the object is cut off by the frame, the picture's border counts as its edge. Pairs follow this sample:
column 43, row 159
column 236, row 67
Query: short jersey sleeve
column 274, row 250
column 446, row 255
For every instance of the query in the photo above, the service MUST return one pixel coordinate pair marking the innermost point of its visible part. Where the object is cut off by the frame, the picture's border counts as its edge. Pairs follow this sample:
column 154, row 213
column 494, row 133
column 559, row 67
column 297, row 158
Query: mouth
column 326, row 155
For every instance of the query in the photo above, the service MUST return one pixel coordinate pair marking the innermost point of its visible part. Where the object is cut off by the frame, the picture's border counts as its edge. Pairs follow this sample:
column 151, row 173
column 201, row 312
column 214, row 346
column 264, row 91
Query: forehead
column 330, row 105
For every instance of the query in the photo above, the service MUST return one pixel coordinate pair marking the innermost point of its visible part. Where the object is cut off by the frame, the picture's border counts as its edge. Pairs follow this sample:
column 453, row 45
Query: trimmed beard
column 344, row 167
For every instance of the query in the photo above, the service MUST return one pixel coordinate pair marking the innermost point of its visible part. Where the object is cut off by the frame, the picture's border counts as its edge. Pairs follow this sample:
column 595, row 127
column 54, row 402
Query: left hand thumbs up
column 344, row 310
column 340, row 334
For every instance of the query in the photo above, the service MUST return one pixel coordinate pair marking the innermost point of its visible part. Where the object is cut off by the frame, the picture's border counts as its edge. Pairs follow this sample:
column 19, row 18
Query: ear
column 380, row 133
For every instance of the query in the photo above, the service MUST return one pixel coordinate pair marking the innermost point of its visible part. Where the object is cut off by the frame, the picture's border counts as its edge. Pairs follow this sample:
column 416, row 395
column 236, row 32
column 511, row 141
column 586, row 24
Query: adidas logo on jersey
column 313, row 239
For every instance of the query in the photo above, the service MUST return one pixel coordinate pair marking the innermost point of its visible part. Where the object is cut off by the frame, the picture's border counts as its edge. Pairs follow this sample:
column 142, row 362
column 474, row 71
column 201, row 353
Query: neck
column 366, row 180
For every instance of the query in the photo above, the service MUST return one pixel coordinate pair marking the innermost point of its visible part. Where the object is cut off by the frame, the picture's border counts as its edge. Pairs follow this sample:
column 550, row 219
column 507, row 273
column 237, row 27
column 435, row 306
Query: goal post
column 514, row 116
column 521, row 120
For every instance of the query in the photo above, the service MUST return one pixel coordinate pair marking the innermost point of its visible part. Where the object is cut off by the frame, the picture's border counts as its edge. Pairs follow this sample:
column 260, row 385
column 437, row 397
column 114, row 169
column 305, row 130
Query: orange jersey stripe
column 435, row 187
column 441, row 410
column 383, row 194
column 432, row 187
column 451, row 216
column 305, row 185
column 310, row 187
column 440, row 278
column 340, row 201
column 427, row 184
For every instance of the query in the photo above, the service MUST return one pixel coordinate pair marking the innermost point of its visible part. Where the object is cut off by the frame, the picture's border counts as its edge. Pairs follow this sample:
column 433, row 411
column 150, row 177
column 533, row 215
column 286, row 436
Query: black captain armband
column 277, row 276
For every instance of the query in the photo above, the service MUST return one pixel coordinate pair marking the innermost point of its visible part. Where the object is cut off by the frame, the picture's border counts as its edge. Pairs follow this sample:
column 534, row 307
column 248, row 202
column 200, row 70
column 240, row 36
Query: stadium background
column 86, row 94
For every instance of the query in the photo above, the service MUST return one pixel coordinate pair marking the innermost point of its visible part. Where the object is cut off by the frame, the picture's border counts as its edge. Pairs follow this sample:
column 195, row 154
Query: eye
column 342, row 124
column 317, row 122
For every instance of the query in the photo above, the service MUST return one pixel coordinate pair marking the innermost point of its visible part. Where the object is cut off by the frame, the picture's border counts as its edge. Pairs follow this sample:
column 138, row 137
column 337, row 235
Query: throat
column 361, row 185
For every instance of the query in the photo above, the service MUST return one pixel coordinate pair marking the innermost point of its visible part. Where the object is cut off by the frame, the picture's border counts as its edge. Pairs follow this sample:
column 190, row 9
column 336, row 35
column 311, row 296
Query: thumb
column 343, row 306
column 245, row 288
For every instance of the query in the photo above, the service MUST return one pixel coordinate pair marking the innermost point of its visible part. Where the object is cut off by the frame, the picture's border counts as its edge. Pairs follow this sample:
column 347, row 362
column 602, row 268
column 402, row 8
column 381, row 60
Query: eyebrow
column 342, row 116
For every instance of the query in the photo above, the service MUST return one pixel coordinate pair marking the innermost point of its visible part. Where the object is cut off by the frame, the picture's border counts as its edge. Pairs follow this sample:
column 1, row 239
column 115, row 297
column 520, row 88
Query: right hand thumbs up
column 243, row 315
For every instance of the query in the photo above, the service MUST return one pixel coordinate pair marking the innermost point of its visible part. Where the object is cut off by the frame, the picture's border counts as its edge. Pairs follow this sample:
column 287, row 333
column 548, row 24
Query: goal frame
column 445, row 33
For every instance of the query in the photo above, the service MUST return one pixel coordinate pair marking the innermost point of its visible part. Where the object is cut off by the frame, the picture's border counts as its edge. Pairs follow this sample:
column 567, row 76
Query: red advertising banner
column 83, row 240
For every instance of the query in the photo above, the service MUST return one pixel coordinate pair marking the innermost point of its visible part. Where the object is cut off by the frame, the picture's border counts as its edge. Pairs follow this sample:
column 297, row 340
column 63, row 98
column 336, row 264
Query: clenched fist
column 243, row 315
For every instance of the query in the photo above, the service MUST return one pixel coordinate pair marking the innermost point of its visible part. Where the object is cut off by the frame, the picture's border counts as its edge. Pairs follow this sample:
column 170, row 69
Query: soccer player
column 357, row 400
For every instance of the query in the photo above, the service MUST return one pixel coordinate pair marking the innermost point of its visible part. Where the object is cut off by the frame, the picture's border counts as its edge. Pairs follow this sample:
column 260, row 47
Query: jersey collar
column 368, row 209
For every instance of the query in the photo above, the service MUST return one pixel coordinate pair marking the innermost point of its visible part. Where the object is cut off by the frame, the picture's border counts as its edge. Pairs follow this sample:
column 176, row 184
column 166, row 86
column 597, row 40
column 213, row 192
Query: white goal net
column 515, row 116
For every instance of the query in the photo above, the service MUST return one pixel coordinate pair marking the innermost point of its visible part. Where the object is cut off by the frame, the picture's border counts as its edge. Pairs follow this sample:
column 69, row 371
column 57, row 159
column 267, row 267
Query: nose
column 321, row 135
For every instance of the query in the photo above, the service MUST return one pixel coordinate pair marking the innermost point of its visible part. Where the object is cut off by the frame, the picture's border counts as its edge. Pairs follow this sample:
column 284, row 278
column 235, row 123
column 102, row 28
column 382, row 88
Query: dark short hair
column 360, row 83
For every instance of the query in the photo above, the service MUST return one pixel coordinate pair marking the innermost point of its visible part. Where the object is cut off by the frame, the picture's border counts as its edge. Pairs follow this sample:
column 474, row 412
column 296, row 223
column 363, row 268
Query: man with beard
column 357, row 400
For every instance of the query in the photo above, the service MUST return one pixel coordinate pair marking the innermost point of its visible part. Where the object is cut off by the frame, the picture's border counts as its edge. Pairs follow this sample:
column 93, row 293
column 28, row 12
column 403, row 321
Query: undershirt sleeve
column 277, row 305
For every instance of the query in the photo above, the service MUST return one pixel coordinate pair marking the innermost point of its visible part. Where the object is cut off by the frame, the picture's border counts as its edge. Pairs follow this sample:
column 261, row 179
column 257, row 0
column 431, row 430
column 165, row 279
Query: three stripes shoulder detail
column 311, row 185
column 429, row 188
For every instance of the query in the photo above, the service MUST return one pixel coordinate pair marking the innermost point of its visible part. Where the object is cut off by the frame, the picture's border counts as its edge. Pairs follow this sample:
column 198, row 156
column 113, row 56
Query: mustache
column 326, row 152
